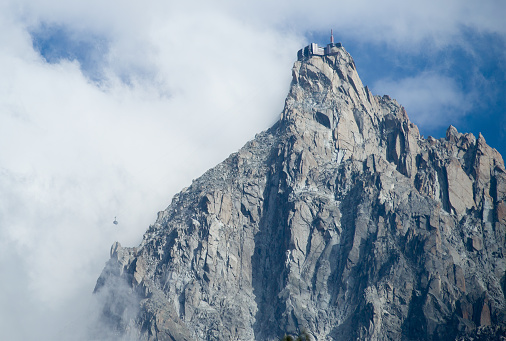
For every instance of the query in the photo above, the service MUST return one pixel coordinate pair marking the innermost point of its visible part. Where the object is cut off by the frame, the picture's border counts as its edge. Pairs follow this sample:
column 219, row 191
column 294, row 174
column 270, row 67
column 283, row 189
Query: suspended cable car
column 115, row 222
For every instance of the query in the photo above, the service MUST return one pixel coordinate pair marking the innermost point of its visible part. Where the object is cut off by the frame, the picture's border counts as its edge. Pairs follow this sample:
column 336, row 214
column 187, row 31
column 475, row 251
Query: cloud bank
column 109, row 108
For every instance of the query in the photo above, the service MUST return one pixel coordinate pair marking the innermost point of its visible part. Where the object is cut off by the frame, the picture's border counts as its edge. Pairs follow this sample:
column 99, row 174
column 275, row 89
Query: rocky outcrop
column 340, row 220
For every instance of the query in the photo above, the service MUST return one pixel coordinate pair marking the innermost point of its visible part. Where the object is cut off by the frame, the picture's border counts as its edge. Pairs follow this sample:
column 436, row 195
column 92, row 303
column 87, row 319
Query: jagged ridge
column 340, row 220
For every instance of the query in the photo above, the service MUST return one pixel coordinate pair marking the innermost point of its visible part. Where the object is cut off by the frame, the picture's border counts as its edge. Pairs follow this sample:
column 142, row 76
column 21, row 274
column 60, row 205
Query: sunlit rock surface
column 340, row 220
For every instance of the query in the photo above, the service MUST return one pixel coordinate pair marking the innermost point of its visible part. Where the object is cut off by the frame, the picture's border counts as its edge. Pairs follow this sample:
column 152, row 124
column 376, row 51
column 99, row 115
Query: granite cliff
column 340, row 220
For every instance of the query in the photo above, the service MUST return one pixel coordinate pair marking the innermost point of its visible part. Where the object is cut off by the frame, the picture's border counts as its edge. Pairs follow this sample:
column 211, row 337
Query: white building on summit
column 314, row 50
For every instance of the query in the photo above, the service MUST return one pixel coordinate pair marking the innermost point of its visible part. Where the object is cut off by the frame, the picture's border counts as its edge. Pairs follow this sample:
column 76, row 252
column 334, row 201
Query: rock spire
column 340, row 220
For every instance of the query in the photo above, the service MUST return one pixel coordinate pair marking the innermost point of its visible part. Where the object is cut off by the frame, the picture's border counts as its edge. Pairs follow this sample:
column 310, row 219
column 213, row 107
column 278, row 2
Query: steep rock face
column 340, row 220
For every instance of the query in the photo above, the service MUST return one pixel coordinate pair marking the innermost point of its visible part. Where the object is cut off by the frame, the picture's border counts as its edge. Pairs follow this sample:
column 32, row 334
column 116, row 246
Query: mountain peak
column 327, row 96
column 328, row 71
column 341, row 220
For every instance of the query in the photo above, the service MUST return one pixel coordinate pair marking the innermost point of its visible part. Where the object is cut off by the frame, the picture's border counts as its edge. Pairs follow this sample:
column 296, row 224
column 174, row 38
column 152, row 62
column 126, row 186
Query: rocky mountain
column 340, row 220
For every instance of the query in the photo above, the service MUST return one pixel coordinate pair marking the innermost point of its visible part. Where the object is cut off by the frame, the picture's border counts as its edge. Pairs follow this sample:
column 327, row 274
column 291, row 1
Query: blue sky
column 56, row 43
column 108, row 108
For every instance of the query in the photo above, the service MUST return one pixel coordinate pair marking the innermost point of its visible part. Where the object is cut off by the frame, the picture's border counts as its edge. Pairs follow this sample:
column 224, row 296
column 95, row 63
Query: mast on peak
column 313, row 49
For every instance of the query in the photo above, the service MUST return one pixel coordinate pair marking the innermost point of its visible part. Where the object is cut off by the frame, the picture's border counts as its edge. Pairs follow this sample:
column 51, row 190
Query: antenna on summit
column 313, row 49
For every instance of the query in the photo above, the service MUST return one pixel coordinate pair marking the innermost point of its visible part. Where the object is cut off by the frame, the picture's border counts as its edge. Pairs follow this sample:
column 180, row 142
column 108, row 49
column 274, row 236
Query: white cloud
column 75, row 154
column 402, row 24
column 202, row 78
column 431, row 100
